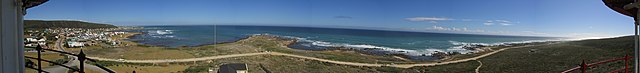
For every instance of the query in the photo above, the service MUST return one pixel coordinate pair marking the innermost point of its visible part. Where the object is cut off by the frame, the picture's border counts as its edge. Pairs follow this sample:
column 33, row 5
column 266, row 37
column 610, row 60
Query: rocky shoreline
column 438, row 55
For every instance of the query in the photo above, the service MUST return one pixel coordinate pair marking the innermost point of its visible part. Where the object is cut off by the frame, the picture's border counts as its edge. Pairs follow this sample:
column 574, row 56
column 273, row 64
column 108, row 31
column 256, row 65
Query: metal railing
column 81, row 57
column 584, row 66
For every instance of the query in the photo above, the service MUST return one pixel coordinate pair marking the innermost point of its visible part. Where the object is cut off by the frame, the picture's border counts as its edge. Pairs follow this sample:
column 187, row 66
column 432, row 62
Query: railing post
column 39, row 49
column 626, row 63
column 81, row 58
column 583, row 67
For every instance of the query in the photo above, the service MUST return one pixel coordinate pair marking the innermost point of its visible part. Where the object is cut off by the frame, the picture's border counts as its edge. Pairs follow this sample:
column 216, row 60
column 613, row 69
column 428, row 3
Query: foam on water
column 375, row 41
column 459, row 46
column 161, row 33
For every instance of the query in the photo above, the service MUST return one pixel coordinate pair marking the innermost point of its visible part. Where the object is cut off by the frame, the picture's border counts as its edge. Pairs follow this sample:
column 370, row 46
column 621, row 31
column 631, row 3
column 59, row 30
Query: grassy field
column 221, row 49
column 279, row 64
column 283, row 64
column 138, row 52
column 271, row 43
column 125, row 68
column 249, row 45
column 48, row 56
column 544, row 57
column 132, row 50
column 559, row 57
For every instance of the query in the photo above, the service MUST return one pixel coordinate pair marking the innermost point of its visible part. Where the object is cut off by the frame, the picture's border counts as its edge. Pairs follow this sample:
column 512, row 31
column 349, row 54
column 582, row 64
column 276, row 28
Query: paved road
column 72, row 62
column 305, row 57
column 60, row 69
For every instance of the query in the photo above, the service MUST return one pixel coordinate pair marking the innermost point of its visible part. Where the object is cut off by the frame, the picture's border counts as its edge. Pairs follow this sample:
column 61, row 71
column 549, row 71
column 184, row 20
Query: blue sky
column 557, row 18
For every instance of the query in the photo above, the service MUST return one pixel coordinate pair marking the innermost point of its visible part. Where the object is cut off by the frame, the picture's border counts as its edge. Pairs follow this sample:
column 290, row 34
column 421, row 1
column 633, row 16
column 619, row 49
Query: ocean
column 312, row 38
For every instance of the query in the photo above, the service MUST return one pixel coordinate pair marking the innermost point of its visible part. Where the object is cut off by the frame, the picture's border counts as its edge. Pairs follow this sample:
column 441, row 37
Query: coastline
column 128, row 35
column 274, row 48
column 438, row 56
column 476, row 49
column 455, row 60
column 322, row 59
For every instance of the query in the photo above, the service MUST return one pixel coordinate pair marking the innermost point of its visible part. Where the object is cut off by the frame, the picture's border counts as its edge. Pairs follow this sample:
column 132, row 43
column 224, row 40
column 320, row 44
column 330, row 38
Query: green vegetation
column 543, row 57
column 559, row 57
column 220, row 49
column 28, row 24
column 197, row 69
column 136, row 51
column 464, row 67
column 271, row 43
column 50, row 57
column 111, row 63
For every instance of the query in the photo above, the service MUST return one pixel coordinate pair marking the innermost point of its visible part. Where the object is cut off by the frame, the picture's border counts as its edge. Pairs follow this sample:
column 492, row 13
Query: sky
column 553, row 18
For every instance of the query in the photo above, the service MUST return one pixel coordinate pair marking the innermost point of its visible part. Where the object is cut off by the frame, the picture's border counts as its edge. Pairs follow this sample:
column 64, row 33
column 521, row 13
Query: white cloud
column 479, row 31
column 517, row 33
column 427, row 19
column 503, row 32
column 454, row 29
column 460, row 29
column 506, row 24
column 500, row 22
column 439, row 28
column 503, row 21
column 488, row 23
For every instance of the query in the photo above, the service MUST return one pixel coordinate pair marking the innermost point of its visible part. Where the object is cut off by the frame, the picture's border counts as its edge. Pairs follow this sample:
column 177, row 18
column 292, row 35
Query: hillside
column 63, row 24
column 553, row 58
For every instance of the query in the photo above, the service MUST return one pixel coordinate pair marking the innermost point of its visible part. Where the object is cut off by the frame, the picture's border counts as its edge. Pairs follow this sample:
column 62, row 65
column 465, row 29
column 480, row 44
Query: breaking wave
column 458, row 46
column 164, row 36
column 161, row 33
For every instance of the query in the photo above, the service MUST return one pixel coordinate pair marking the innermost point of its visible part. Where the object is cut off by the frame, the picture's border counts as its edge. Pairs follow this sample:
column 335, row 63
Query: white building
column 75, row 44
column 35, row 40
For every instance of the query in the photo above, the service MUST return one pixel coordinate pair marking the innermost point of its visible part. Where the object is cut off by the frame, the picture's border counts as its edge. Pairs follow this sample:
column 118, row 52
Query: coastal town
column 73, row 37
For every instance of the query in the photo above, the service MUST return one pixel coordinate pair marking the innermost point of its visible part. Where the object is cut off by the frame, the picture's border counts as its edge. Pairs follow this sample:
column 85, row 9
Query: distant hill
column 63, row 24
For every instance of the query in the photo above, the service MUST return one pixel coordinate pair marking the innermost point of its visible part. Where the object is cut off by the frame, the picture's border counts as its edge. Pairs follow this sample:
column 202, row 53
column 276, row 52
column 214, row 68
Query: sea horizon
column 316, row 38
column 347, row 27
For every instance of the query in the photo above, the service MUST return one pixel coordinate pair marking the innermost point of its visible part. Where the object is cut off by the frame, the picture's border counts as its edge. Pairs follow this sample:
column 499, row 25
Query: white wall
column 11, row 47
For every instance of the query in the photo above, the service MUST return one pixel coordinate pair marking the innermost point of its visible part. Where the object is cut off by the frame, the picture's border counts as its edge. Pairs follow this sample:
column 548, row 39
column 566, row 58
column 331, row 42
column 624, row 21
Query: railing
column 584, row 66
column 81, row 57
